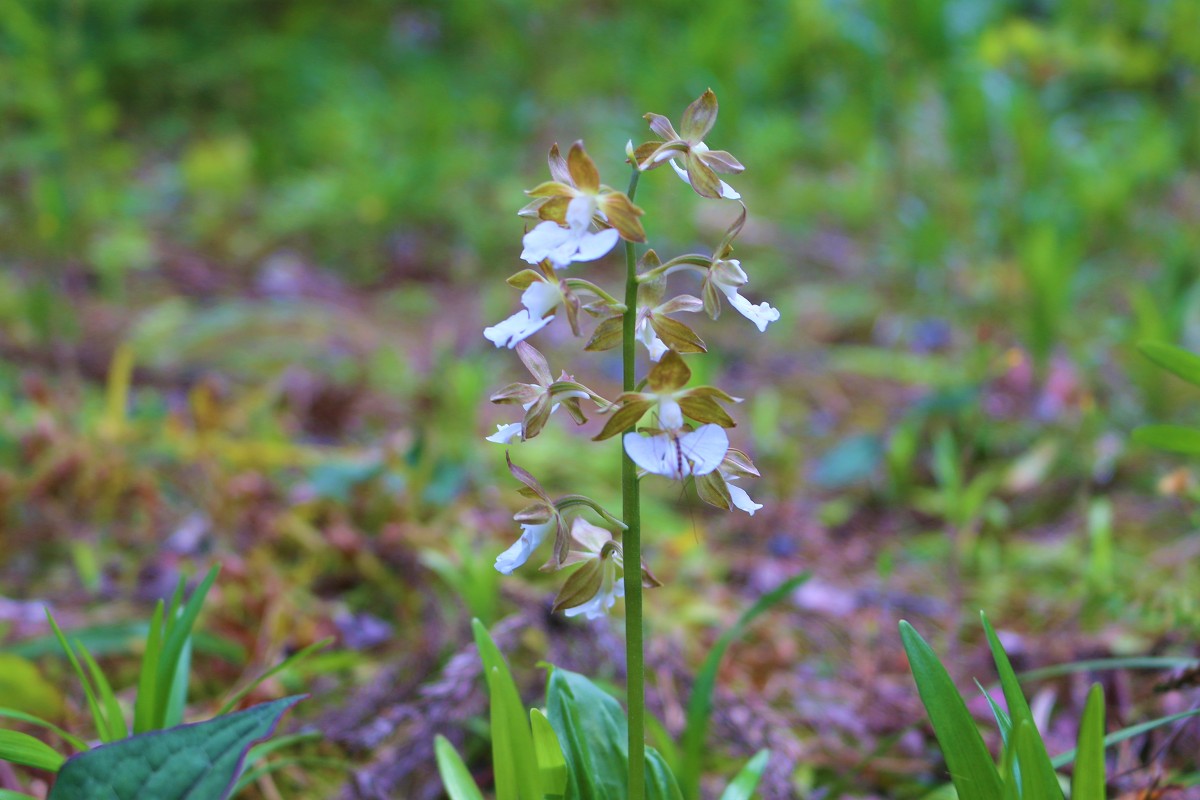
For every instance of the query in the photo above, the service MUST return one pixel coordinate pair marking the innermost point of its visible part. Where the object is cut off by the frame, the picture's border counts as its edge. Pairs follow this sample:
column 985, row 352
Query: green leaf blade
column 21, row 748
column 1087, row 783
column 971, row 768
column 456, row 778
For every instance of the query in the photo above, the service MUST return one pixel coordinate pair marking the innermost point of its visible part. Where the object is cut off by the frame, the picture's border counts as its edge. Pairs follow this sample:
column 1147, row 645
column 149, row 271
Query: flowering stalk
column 631, row 513
column 581, row 220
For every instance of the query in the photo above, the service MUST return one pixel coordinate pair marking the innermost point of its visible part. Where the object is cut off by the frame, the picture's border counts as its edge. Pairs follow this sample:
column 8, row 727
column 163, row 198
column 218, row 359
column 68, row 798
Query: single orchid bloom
column 722, row 276
column 569, row 204
column 700, row 163
column 540, row 298
column 592, row 590
column 541, row 398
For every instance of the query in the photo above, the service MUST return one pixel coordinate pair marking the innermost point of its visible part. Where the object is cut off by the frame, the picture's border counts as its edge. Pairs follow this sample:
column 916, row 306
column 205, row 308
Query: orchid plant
column 667, row 428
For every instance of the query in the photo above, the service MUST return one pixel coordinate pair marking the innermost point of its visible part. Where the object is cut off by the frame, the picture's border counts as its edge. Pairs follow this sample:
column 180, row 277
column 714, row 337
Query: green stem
column 631, row 511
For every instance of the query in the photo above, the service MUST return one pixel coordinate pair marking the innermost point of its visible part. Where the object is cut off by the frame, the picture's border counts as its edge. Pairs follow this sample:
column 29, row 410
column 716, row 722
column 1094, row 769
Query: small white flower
column 676, row 455
column 728, row 276
column 539, row 299
column 549, row 240
column 506, row 434
column 531, row 538
column 606, row 596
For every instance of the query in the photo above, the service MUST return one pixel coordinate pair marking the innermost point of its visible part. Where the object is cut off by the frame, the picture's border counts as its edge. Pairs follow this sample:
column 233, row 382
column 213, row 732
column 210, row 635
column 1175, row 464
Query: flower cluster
column 667, row 427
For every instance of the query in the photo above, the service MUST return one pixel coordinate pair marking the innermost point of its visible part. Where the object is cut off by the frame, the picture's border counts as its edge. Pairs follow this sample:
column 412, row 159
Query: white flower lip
column 518, row 327
column 697, row 452
column 522, row 549
column 562, row 246
column 505, row 434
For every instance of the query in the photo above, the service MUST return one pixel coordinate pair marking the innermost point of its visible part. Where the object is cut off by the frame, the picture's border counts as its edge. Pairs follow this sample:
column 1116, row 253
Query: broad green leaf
column 74, row 741
column 700, row 702
column 592, row 731
column 189, row 762
column 746, row 781
column 456, row 778
column 21, row 748
column 1175, row 360
column 552, row 765
column 510, row 731
column 1172, row 438
column 1034, row 761
column 1088, row 781
column 504, row 758
column 971, row 768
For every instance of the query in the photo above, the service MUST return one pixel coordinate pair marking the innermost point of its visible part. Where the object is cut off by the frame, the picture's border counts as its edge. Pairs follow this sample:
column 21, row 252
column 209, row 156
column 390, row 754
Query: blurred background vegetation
column 247, row 251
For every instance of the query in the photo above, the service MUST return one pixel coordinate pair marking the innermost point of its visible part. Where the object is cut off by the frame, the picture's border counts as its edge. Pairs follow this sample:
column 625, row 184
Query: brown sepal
column 631, row 408
column 712, row 489
column 706, row 410
column 676, row 335
column 699, row 117
column 670, row 374
column 608, row 334
column 524, row 477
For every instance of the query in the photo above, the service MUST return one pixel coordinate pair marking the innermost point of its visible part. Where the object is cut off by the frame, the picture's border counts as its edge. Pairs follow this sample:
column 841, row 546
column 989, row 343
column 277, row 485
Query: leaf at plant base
column 456, row 778
column 746, row 781
column 24, row 689
column 967, row 758
column 509, row 729
column 660, row 782
column 1172, row 438
column 1036, row 784
column 1034, row 761
column 1088, row 781
column 700, row 701
column 1176, row 360
column 552, row 765
column 189, row 762
column 21, row 748
column 590, row 726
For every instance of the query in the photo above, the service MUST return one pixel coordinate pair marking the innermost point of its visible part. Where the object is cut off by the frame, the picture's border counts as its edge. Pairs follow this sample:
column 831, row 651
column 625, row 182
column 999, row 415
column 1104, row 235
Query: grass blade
column 700, row 702
column 552, row 765
column 971, row 768
column 144, row 711
column 102, row 729
column 1128, row 733
column 112, row 708
column 456, row 778
column 1179, row 362
column 179, row 624
column 746, row 781
column 1033, row 760
column 21, row 748
column 74, row 741
column 290, row 661
column 1088, row 781
column 512, row 732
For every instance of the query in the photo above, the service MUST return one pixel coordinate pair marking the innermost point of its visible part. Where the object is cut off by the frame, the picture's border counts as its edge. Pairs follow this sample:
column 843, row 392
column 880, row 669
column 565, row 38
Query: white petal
column 580, row 211
column 505, row 434
column 704, row 448
column 544, row 239
column 727, row 191
column 541, row 297
column 591, row 246
column 742, row 500
column 523, row 548
column 670, row 415
column 655, row 454
column 761, row 315
column 516, row 328
column 648, row 337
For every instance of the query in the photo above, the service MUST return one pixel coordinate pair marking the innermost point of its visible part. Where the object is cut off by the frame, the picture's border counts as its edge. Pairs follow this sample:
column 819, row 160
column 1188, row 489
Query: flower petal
column 506, row 434
column 541, row 297
column 545, row 238
column 761, row 315
column 704, row 448
column 699, row 117
column 583, row 169
column 661, row 126
column 725, row 190
column 742, row 500
column 591, row 246
column 517, row 328
column 523, row 548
